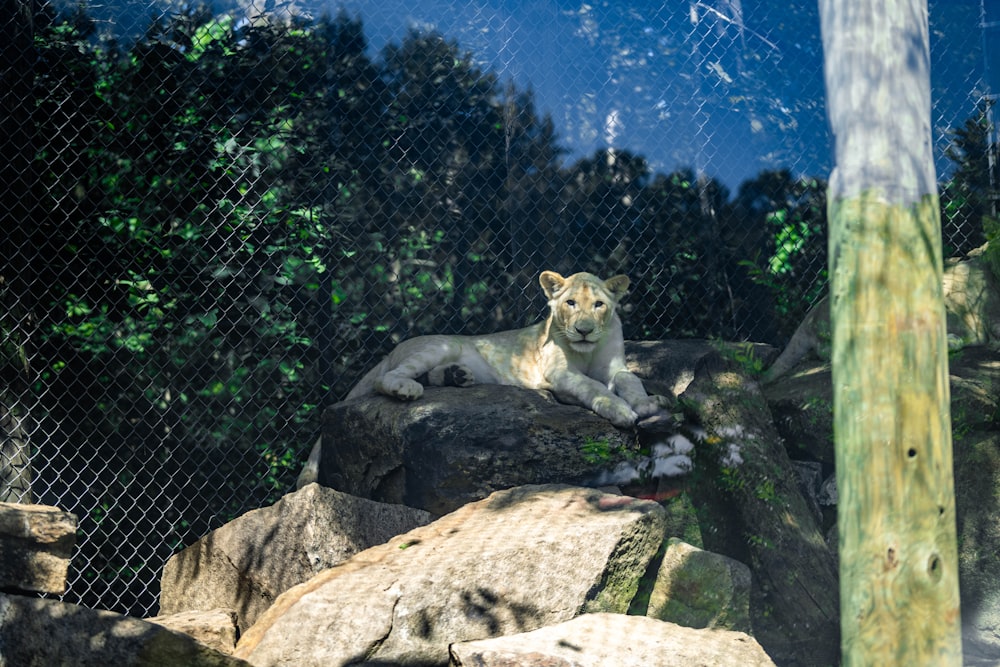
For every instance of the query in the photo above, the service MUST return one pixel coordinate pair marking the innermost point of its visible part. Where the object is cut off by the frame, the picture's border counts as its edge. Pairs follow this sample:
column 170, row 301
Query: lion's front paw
column 616, row 411
column 652, row 405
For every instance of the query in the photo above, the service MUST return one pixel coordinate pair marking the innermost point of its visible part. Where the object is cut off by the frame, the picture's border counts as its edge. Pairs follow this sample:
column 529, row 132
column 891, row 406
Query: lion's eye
column 571, row 303
column 599, row 304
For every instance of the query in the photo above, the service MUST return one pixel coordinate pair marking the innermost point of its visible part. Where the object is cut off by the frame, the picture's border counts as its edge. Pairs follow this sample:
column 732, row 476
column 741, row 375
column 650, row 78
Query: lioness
column 577, row 353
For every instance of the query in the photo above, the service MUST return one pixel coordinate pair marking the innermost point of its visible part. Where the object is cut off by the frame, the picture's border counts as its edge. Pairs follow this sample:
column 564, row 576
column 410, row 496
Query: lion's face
column 582, row 306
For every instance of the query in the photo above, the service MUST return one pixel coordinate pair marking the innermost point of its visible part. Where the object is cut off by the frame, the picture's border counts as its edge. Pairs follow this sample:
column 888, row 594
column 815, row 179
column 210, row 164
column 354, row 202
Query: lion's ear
column 551, row 283
column 617, row 285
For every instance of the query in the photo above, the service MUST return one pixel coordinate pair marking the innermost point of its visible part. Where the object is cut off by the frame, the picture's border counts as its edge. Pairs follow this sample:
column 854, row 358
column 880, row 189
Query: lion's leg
column 577, row 388
column 399, row 386
column 416, row 357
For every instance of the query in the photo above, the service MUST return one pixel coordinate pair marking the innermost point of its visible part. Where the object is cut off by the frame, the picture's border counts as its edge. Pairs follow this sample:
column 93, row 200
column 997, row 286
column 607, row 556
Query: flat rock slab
column 215, row 628
column 517, row 561
column 246, row 564
column 36, row 543
column 613, row 640
column 49, row 633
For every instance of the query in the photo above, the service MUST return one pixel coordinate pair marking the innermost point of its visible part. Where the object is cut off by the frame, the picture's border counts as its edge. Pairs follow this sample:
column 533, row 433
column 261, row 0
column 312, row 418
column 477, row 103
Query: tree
column 678, row 245
column 780, row 222
column 447, row 161
column 602, row 194
column 897, row 528
column 168, row 306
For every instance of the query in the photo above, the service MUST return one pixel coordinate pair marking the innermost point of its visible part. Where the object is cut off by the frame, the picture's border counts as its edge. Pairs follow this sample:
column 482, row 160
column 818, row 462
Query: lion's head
column 582, row 306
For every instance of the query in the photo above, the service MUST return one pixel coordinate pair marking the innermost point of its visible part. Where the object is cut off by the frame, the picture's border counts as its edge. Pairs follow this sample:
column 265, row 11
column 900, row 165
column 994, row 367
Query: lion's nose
column 584, row 329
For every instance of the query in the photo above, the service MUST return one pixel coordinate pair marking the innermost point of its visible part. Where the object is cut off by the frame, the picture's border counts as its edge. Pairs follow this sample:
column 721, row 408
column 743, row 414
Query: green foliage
column 967, row 198
column 730, row 479
column 991, row 229
column 742, row 354
column 766, row 491
column 788, row 253
column 598, row 451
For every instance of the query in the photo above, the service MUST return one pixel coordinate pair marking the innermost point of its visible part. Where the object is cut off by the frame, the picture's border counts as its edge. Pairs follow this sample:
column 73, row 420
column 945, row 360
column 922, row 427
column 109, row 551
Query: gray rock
column 49, row 633
column 977, row 508
column 810, row 475
column 516, row 561
column 752, row 509
column 215, row 628
column 15, row 454
column 669, row 365
column 803, row 419
column 455, row 446
column 700, row 589
column 613, row 640
column 828, row 492
column 36, row 543
column 247, row 563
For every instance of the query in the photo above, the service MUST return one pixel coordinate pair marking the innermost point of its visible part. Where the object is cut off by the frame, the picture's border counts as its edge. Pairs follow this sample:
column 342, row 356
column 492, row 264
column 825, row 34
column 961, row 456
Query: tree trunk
column 16, row 218
column 15, row 464
column 892, row 425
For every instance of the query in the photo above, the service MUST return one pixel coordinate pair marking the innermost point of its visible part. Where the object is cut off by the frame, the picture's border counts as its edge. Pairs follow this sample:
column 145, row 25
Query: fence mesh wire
column 219, row 216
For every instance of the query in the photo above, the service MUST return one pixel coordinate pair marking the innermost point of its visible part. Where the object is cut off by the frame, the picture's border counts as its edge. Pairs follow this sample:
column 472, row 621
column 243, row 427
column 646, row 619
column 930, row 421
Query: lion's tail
column 366, row 387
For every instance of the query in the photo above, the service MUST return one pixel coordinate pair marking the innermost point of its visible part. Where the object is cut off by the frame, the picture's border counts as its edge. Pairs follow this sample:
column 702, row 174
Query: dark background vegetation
column 214, row 229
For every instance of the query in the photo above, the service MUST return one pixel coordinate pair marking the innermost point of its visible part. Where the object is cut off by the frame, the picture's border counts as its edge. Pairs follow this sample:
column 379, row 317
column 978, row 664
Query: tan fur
column 577, row 353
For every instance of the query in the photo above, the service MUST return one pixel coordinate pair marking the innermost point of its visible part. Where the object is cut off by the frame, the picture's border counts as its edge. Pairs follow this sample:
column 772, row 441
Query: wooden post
column 892, row 425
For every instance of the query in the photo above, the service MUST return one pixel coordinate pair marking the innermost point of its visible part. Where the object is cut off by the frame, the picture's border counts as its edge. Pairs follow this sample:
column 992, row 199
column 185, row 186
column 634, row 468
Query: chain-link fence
column 218, row 217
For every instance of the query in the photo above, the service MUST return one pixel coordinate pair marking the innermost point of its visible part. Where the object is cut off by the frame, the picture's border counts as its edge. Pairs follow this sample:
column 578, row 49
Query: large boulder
column 751, row 508
column 700, row 589
column 455, row 446
column 804, row 398
column 48, row 633
column 613, row 640
column 246, row 564
column 36, row 543
column 517, row 561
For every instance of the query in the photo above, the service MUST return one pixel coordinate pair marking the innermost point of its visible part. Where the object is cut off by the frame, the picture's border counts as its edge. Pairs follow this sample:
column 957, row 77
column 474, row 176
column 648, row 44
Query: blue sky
column 731, row 87
column 612, row 73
